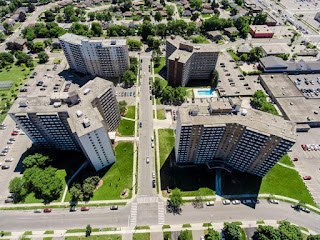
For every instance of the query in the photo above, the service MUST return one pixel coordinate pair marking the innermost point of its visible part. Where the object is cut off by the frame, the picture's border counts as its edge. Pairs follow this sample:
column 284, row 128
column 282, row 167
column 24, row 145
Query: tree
column 49, row 16
column 234, row 11
column 197, row 203
column 266, row 232
column 256, row 53
column 68, row 13
column 150, row 40
column 36, row 160
column 158, row 16
column 231, row 231
column 38, row 47
column 134, row 44
column 128, row 78
column 2, row 37
column 195, row 16
column 175, row 200
column 43, row 57
column 8, row 28
column 242, row 24
column 88, row 230
column 185, row 235
column 314, row 237
column 96, row 29
column 213, row 235
column 76, row 192
column 196, row 4
column 122, row 107
column 260, row 19
column 23, row 58
column 22, row 16
column 170, row 11
column 225, row 4
column 288, row 231
column 89, row 186
column 91, row 16
column 214, row 78
column 239, row 2
column 6, row 58
column 31, row 7
column 16, row 186
column 146, row 29
column 161, row 30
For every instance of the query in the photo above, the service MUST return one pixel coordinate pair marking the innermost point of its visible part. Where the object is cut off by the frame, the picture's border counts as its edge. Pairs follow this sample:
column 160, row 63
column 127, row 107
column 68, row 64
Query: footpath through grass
column 166, row 144
column 131, row 113
column 122, row 168
column 126, row 128
column 286, row 160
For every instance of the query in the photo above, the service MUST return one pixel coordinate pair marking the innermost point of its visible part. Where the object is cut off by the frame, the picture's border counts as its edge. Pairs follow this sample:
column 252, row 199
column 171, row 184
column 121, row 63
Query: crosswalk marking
column 147, row 199
column 133, row 214
column 161, row 211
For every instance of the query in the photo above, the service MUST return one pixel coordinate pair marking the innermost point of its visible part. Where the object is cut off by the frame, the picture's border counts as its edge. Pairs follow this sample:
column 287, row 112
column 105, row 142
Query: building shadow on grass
column 234, row 185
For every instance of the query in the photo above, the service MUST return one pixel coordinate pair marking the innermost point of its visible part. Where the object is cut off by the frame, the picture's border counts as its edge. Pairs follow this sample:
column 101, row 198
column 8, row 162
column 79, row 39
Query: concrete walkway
column 132, row 139
column 286, row 166
column 155, row 230
column 130, row 119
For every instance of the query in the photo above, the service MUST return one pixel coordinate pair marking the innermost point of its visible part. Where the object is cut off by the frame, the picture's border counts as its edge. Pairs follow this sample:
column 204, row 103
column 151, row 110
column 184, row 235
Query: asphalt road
column 60, row 219
column 146, row 131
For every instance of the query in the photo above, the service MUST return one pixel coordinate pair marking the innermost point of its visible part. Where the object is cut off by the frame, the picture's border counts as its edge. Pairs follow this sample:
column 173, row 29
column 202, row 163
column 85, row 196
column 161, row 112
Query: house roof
column 273, row 62
column 244, row 48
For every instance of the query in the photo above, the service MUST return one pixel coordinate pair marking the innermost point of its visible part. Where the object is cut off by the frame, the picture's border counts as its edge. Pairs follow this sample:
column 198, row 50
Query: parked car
column 147, row 160
column 210, row 203
column 307, row 178
column 47, row 210
column 273, row 201
column 37, row 211
column 85, row 209
column 295, row 159
column 153, row 183
column 73, row 209
column 153, row 174
column 8, row 200
column 246, row 201
column 114, row 207
column 10, row 142
column 305, row 210
column 5, row 167
column 141, row 124
column 8, row 160
column 226, row 202
column 152, row 144
column 236, row 202
column 3, row 154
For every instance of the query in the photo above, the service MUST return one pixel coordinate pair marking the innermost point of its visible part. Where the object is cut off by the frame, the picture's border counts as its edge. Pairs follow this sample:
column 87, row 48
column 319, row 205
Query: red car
column 295, row 159
column 307, row 178
column 304, row 147
column 14, row 133
column 85, row 209
column 47, row 210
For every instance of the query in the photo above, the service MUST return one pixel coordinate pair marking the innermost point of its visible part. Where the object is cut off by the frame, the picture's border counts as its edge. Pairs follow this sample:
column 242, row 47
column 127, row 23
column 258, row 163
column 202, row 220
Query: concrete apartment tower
column 105, row 58
column 251, row 141
column 78, row 120
column 186, row 61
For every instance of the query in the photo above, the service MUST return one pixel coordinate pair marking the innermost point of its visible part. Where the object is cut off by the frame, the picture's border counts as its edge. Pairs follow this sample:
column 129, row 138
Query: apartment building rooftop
column 185, row 45
column 259, row 121
column 85, row 118
column 76, row 39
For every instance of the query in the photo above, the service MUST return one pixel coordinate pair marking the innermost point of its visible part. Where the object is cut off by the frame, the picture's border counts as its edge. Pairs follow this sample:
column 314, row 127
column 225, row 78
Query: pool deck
column 196, row 94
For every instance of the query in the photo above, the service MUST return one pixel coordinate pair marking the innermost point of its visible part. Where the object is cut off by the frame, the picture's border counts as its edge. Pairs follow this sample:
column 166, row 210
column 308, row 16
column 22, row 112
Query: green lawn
column 75, row 230
column 243, row 235
column 204, row 191
column 286, row 182
column 16, row 74
column 162, row 64
column 206, row 15
column 97, row 237
column 141, row 236
column 122, row 168
column 131, row 113
column 166, row 144
column 49, row 232
column 161, row 114
column 30, row 198
column 286, row 160
column 126, row 127
column 186, row 225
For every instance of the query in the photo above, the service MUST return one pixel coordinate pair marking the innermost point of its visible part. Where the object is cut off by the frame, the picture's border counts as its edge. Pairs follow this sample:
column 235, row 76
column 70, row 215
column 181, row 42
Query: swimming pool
column 204, row 93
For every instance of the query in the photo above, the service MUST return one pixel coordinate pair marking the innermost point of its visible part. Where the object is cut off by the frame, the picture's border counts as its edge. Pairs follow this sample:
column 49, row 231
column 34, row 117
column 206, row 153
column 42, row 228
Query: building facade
column 98, row 57
column 78, row 120
column 186, row 61
column 251, row 142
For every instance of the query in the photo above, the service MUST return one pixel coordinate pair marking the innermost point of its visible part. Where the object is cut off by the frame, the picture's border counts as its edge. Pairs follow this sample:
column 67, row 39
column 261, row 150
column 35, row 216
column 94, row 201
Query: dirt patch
column 125, row 193
column 100, row 183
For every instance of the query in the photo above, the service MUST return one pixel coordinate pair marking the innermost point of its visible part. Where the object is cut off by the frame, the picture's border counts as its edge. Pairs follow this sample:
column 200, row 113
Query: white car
column 274, row 201
column 210, row 203
column 236, row 202
column 153, row 175
column 226, row 202
column 8, row 160
column 22, row 133
column 147, row 160
column 10, row 142
column 37, row 211
column 152, row 144
column 3, row 154
column 7, row 147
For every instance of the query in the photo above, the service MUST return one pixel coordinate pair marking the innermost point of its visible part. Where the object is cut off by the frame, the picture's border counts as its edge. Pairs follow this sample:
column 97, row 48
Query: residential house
column 230, row 31
column 18, row 44
column 186, row 13
column 214, row 35
column 244, row 49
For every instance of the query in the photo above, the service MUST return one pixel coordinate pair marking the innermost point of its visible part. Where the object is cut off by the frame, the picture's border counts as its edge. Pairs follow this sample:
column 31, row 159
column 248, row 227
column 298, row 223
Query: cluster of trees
column 85, row 190
column 41, row 30
column 259, row 101
column 39, row 177
column 23, row 58
column 122, row 107
column 6, row 59
column 134, row 45
column 100, row 16
column 72, row 15
column 81, row 29
column 255, row 54
column 10, row 8
column 175, row 201
column 168, row 94
column 129, row 76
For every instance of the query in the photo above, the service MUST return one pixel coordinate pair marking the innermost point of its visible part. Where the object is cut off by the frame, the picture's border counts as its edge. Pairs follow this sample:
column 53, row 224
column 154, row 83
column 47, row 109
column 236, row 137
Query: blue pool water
column 205, row 92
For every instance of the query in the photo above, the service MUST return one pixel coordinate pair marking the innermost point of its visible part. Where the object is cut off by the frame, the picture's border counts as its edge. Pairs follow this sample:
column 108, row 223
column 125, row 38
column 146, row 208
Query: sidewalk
column 153, row 229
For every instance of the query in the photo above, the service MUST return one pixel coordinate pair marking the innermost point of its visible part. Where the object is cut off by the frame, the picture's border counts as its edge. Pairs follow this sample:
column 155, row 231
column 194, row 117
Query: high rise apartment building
column 78, row 120
column 252, row 141
column 186, row 60
column 98, row 57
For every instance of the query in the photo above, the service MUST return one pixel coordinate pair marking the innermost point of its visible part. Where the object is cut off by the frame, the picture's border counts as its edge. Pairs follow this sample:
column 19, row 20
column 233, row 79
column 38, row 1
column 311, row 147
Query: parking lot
column 309, row 85
column 233, row 82
column 126, row 94
column 308, row 163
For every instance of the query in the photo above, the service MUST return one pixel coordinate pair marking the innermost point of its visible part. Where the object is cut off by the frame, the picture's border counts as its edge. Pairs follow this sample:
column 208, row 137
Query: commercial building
column 99, row 57
column 251, row 141
column 78, row 120
column 261, row 31
column 272, row 64
column 186, row 61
